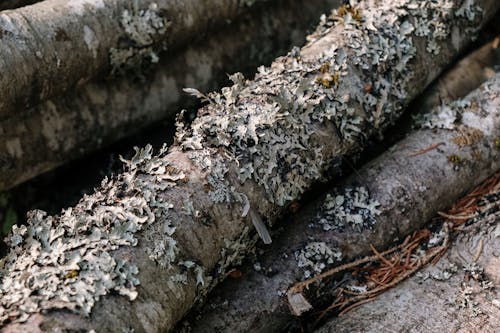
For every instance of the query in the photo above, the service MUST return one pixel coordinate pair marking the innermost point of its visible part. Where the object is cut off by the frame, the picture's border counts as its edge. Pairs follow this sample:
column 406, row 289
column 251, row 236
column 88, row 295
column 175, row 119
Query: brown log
column 148, row 244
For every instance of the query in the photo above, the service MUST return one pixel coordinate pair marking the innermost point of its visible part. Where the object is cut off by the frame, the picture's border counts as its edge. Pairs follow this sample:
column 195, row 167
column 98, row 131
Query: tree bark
column 39, row 42
column 98, row 113
column 465, row 302
column 410, row 186
column 471, row 70
column 175, row 222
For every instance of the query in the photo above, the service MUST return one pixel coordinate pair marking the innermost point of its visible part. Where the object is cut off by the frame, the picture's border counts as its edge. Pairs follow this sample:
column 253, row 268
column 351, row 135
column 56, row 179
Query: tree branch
column 101, row 112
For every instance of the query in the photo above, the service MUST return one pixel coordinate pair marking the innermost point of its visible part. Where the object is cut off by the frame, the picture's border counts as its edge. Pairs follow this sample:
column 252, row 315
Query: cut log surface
column 98, row 113
column 53, row 45
column 148, row 244
column 381, row 203
column 459, row 294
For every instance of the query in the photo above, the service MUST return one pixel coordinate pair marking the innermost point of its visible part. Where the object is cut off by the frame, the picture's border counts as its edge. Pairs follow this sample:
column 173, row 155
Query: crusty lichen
column 142, row 27
column 316, row 256
column 349, row 207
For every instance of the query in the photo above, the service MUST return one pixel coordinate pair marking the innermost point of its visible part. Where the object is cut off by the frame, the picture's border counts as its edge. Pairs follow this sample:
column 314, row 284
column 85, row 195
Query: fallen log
column 141, row 250
column 459, row 293
column 383, row 202
column 39, row 42
column 98, row 113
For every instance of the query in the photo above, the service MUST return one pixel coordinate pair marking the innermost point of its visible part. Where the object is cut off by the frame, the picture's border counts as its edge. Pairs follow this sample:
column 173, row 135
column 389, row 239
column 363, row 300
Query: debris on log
column 149, row 243
column 459, row 293
column 383, row 202
column 98, row 113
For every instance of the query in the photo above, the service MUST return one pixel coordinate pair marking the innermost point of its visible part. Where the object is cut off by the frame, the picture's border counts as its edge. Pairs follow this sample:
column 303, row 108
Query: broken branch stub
column 141, row 250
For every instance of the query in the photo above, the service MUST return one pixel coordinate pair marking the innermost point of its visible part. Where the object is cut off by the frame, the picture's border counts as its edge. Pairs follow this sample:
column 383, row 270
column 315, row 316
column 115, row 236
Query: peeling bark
column 39, row 42
column 465, row 302
column 164, row 232
column 410, row 187
column 99, row 113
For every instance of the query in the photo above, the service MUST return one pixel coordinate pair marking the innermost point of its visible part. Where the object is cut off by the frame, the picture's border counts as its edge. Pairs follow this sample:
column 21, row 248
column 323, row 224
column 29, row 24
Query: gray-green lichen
column 348, row 207
column 142, row 27
column 272, row 126
column 316, row 256
column 68, row 261
column 464, row 113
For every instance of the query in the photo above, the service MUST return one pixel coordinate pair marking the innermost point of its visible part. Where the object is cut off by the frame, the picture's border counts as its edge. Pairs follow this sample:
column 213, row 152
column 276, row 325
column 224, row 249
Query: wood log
column 39, row 42
column 458, row 294
column 148, row 244
column 102, row 112
column 396, row 194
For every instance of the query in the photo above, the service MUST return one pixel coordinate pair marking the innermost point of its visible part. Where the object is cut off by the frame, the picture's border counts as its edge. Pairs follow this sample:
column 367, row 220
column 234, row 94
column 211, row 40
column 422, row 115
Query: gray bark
column 465, row 302
column 477, row 67
column 99, row 113
column 164, row 232
column 410, row 189
column 39, row 42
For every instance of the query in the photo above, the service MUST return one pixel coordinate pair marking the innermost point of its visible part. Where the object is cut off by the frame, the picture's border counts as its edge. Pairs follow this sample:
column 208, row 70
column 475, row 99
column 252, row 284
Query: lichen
column 348, row 207
column 272, row 126
column 316, row 256
column 464, row 115
column 142, row 28
column 68, row 261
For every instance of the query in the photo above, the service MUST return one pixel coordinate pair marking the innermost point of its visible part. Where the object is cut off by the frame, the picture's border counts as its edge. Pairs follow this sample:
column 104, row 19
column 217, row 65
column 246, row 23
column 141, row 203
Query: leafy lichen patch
column 273, row 125
column 348, row 207
column 464, row 115
column 316, row 256
column 142, row 27
column 68, row 261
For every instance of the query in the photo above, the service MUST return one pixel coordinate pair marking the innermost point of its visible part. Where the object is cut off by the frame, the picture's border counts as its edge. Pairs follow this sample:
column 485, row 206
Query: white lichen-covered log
column 54, row 45
column 383, row 202
column 141, row 250
column 98, row 113
column 458, row 294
